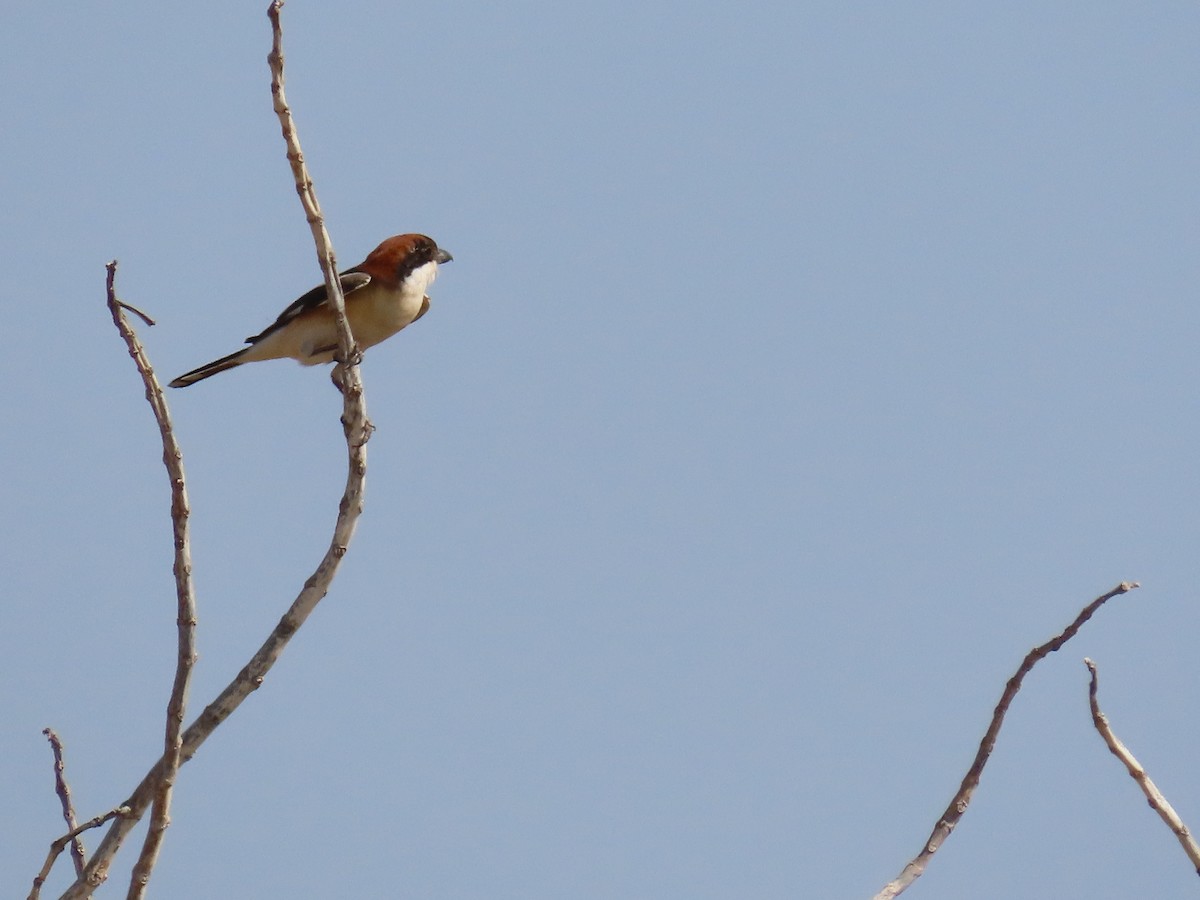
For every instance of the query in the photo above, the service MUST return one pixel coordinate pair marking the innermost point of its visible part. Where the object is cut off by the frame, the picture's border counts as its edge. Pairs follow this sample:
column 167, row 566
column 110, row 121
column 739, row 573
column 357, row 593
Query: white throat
column 419, row 280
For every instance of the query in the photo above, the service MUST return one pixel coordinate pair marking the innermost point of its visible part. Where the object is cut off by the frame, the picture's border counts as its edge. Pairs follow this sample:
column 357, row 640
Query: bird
column 384, row 293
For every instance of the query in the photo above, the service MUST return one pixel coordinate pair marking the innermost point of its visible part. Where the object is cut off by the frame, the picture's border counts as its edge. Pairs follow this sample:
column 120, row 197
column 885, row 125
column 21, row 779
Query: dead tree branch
column 1154, row 796
column 346, row 374
column 357, row 429
column 185, row 598
column 64, row 796
column 57, row 846
column 962, row 798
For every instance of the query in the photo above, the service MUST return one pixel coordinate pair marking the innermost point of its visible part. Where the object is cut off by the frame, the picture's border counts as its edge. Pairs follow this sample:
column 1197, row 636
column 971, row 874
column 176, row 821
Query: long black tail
column 209, row 369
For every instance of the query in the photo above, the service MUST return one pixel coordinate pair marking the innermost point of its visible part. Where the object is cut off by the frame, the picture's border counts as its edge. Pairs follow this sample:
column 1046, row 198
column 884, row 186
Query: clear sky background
column 800, row 367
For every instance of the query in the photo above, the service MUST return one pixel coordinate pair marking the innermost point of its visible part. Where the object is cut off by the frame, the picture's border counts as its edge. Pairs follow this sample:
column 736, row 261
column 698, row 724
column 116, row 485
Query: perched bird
column 385, row 292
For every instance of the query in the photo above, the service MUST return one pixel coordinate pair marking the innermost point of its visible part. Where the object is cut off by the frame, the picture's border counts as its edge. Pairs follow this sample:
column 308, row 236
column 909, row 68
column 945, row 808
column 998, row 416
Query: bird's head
column 405, row 259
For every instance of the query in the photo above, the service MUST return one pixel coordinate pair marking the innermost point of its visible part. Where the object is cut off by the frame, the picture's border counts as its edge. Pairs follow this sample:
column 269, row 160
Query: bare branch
column 64, row 796
column 357, row 429
column 958, row 804
column 129, row 307
column 185, row 596
column 346, row 374
column 56, row 847
column 1157, row 801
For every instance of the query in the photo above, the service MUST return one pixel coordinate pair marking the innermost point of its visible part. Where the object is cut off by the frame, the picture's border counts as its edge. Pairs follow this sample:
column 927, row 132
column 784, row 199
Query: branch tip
column 1154, row 797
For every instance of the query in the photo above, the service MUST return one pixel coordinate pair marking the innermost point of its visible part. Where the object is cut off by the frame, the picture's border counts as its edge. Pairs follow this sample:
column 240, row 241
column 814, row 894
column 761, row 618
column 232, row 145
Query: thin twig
column 137, row 312
column 962, row 798
column 56, row 846
column 64, row 796
column 185, row 599
column 357, row 429
column 1157, row 801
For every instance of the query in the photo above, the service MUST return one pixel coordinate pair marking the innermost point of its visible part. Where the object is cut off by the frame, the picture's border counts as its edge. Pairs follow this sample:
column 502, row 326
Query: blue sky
column 800, row 367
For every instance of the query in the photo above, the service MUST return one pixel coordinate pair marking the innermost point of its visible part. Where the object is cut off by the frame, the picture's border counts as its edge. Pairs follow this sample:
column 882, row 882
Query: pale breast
column 379, row 315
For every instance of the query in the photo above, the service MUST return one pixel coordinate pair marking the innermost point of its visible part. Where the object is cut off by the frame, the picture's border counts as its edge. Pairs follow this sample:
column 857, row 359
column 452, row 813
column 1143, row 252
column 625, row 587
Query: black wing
column 351, row 279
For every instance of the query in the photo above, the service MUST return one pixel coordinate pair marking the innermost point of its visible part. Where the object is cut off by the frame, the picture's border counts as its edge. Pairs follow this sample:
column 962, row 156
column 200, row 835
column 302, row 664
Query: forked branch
column 185, row 596
column 357, row 429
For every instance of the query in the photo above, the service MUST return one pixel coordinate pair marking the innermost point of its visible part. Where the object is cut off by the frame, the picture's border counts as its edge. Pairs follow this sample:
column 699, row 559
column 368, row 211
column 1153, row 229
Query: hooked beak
column 442, row 256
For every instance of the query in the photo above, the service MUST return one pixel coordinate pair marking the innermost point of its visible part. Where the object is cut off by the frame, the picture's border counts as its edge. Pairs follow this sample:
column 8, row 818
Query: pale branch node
column 1155, row 797
column 357, row 430
column 962, row 798
column 57, row 846
column 63, row 790
column 185, row 596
